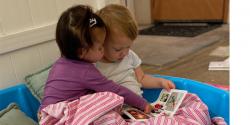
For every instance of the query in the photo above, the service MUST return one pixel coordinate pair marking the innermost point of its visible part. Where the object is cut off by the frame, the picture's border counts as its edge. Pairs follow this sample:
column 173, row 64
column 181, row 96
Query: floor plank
column 195, row 66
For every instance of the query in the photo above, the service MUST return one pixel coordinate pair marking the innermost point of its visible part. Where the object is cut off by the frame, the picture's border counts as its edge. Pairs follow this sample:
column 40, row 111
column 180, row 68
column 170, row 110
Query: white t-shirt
column 123, row 72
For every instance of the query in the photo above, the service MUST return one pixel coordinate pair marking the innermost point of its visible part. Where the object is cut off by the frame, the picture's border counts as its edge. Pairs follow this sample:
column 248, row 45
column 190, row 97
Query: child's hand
column 148, row 108
column 166, row 84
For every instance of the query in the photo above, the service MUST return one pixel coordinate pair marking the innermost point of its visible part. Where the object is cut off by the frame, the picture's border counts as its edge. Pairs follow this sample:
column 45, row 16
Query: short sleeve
column 136, row 61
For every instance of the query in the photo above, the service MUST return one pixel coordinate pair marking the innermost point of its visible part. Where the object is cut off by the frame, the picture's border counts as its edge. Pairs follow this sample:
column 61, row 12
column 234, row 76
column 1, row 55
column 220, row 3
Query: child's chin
column 114, row 60
column 118, row 60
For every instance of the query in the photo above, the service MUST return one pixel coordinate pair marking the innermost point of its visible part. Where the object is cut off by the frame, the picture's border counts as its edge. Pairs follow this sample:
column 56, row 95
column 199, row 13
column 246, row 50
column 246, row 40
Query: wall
column 27, row 42
column 142, row 10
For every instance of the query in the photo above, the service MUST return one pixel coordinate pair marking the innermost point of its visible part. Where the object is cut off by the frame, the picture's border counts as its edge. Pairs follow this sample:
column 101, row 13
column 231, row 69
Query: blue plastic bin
column 21, row 95
column 216, row 99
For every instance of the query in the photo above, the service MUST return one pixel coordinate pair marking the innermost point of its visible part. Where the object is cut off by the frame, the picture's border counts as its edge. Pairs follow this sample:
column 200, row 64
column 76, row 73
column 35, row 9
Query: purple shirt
column 70, row 79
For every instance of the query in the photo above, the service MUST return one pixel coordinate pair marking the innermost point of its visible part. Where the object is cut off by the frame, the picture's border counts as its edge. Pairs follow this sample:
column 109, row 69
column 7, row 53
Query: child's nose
column 102, row 49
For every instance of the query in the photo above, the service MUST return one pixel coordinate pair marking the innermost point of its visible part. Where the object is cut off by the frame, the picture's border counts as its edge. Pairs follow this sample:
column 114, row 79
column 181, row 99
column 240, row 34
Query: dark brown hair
column 73, row 30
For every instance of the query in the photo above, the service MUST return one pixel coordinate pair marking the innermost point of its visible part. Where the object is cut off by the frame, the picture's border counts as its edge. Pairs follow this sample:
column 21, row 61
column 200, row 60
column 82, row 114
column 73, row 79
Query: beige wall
column 142, row 11
column 27, row 29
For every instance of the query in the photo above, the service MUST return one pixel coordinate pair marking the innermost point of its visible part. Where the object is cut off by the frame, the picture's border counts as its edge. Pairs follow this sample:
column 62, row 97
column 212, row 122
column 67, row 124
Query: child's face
column 116, row 46
column 96, row 52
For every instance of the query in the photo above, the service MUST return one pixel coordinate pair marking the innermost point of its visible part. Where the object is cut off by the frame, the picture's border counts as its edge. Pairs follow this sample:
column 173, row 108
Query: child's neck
column 105, row 60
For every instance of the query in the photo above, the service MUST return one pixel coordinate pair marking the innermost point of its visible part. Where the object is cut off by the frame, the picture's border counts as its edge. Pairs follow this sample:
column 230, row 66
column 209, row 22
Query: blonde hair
column 118, row 16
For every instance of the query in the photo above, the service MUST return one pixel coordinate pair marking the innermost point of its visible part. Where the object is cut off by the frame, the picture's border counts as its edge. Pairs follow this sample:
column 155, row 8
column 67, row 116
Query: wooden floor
column 195, row 66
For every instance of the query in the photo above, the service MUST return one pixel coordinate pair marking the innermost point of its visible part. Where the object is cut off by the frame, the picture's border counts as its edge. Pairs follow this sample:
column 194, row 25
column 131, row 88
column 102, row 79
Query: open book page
column 174, row 101
column 135, row 114
column 160, row 102
column 167, row 104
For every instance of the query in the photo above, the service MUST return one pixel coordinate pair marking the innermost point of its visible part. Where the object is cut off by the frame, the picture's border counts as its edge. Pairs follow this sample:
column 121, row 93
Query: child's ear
column 81, row 53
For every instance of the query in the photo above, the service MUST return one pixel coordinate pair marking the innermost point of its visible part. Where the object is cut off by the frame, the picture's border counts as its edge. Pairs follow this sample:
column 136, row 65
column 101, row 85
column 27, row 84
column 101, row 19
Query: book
column 130, row 114
column 167, row 103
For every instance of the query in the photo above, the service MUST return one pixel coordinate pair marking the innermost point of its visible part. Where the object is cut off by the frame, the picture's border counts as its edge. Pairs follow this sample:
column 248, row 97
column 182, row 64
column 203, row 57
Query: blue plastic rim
column 22, row 97
column 216, row 99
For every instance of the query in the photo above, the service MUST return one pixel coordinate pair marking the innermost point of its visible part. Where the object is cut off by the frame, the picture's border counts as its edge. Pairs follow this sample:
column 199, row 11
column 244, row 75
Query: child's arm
column 94, row 80
column 148, row 81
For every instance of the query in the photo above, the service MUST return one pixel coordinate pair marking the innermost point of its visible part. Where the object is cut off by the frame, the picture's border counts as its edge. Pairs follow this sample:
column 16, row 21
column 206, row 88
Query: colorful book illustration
column 166, row 104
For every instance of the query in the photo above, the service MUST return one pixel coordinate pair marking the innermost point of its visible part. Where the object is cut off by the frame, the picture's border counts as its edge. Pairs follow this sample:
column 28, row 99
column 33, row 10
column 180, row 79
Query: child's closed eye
column 100, row 48
column 118, row 50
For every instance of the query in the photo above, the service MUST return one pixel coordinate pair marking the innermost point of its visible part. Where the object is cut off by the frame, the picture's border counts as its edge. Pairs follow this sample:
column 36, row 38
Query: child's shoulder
column 72, row 65
column 131, row 52
column 133, row 56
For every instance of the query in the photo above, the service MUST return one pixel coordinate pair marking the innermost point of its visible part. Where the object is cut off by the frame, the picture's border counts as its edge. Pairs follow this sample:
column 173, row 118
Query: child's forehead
column 120, row 39
column 116, row 31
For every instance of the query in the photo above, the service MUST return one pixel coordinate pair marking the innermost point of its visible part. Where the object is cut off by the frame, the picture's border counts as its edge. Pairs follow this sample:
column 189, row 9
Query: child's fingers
column 148, row 108
column 168, row 85
column 168, row 89
column 171, row 85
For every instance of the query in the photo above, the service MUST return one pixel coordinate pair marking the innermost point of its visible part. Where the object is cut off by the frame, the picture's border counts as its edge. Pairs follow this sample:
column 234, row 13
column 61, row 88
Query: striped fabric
column 103, row 109
column 81, row 111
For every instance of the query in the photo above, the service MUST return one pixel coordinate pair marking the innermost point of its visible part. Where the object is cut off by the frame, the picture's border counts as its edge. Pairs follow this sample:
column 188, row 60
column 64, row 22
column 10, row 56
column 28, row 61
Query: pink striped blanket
column 103, row 109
